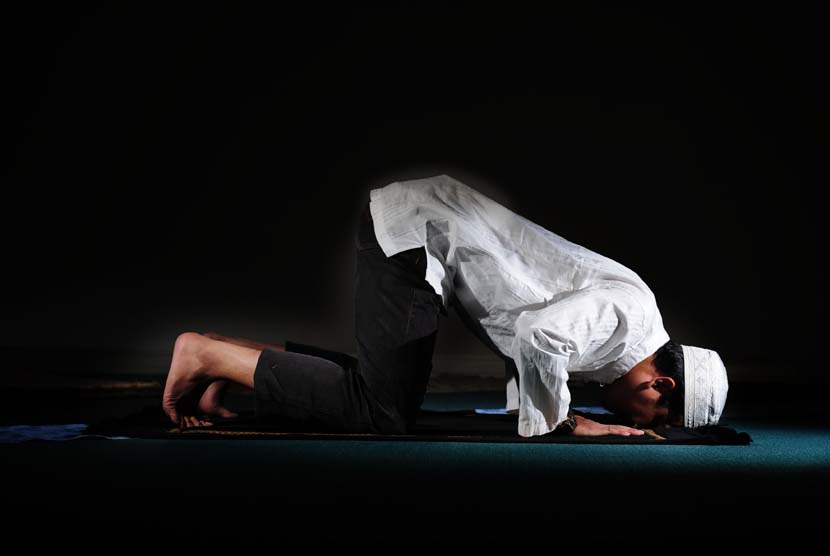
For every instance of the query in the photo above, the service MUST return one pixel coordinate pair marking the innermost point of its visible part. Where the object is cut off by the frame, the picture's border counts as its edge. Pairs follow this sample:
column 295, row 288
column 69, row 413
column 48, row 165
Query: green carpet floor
column 254, row 493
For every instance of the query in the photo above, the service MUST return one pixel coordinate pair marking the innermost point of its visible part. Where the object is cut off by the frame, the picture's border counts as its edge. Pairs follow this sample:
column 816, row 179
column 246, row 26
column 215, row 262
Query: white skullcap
column 706, row 386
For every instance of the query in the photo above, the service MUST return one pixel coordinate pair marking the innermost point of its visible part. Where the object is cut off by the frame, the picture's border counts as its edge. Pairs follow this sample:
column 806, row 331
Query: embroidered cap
column 706, row 386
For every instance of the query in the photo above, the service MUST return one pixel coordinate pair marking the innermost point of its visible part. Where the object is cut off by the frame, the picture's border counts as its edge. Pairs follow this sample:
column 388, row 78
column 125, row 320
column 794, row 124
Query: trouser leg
column 312, row 392
column 396, row 326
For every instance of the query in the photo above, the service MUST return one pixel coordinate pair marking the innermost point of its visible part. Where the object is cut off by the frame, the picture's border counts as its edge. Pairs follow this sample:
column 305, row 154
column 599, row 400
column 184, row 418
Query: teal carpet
column 772, row 491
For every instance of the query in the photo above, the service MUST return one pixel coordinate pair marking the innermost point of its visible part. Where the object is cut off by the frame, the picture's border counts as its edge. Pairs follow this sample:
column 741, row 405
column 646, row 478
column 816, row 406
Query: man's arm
column 544, row 397
column 511, row 387
column 588, row 329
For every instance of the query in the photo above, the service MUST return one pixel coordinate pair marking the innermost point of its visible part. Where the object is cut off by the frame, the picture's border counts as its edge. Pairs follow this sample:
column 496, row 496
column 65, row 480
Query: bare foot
column 185, row 375
column 211, row 402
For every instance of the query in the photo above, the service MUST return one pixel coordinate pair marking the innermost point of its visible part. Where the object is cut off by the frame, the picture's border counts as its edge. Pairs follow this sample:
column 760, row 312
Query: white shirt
column 558, row 310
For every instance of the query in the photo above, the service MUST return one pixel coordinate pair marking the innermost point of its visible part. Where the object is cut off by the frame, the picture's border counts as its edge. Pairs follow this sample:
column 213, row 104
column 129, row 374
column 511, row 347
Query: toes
column 191, row 421
column 173, row 415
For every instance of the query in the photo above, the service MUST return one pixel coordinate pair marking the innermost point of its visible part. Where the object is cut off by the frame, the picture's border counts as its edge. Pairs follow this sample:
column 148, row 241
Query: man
column 553, row 310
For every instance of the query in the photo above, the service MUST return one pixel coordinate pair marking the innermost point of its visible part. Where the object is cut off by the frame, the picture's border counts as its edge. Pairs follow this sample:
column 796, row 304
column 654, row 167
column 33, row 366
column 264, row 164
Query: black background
column 199, row 167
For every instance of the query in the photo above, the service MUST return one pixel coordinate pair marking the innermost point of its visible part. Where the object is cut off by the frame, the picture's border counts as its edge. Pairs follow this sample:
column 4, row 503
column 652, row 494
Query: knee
column 387, row 422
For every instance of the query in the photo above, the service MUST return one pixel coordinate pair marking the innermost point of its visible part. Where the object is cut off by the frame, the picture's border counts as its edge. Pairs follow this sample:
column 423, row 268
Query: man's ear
column 663, row 384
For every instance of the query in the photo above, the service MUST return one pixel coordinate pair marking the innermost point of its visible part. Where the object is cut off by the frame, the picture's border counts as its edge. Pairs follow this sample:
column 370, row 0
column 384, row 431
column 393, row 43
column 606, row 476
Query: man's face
column 641, row 412
column 634, row 396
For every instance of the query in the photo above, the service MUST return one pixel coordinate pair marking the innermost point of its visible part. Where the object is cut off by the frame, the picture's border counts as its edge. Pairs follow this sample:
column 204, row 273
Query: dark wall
column 194, row 168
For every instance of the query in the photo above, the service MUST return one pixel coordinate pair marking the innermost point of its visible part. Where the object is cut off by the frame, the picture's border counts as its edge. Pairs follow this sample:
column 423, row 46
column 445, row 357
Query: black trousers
column 380, row 391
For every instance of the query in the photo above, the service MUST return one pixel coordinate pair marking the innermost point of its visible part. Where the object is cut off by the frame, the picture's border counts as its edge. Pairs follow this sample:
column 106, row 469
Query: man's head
column 651, row 393
column 677, row 385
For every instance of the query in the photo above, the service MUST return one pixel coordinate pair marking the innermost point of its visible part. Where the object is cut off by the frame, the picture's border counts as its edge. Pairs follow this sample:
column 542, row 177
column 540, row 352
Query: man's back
column 501, row 266
column 496, row 262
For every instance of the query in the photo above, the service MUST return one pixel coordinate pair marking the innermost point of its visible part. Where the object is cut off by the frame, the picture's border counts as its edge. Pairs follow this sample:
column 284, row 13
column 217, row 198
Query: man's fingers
column 587, row 427
column 625, row 431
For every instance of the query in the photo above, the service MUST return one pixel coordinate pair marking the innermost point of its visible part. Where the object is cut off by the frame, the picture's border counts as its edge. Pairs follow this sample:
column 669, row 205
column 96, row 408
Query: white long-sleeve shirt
column 558, row 310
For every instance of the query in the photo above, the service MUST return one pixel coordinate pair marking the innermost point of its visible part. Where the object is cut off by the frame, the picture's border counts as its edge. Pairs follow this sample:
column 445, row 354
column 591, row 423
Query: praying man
column 555, row 312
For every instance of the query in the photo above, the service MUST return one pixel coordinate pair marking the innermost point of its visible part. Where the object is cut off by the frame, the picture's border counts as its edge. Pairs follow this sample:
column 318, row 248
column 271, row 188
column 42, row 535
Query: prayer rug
column 438, row 426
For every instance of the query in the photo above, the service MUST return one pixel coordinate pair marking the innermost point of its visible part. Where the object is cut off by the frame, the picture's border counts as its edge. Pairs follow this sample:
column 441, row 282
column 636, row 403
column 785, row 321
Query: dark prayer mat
column 437, row 426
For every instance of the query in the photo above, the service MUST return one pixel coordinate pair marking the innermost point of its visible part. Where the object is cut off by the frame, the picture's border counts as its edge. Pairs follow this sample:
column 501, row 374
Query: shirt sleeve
column 583, row 331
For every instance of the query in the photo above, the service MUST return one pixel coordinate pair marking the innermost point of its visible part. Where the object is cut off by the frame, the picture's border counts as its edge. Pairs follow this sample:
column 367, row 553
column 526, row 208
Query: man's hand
column 586, row 427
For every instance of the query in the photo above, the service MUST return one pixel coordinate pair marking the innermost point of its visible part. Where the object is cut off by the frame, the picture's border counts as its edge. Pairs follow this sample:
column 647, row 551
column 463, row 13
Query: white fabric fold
column 558, row 310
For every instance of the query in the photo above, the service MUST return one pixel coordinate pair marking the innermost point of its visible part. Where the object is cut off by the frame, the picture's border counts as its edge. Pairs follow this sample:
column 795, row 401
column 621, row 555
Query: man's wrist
column 567, row 426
